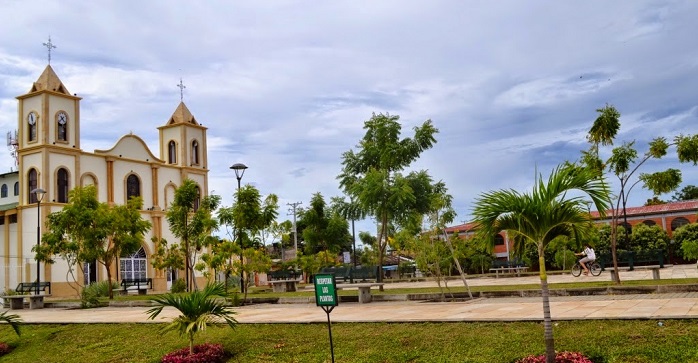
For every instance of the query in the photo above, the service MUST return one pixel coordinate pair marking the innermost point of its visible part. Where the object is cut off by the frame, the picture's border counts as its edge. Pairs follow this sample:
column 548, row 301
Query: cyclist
column 589, row 256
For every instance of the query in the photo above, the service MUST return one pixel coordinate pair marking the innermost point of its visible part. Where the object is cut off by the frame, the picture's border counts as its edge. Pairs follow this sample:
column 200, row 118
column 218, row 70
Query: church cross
column 49, row 45
column 181, row 90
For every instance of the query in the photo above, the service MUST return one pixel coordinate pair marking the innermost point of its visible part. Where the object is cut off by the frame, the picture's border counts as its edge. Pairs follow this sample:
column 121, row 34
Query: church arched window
column 194, row 152
column 16, row 188
column 133, row 186
column 3, row 191
column 172, row 152
column 678, row 222
column 62, row 186
column 133, row 266
column 31, row 185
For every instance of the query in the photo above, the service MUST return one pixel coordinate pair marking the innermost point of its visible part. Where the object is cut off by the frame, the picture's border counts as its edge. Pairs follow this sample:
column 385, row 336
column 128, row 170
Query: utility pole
column 293, row 208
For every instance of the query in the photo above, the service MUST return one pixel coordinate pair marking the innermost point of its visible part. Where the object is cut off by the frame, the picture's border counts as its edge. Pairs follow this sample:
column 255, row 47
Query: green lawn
column 607, row 341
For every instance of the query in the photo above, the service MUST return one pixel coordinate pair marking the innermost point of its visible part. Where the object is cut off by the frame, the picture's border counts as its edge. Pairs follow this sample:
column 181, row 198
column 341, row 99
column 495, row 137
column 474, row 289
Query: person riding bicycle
column 589, row 256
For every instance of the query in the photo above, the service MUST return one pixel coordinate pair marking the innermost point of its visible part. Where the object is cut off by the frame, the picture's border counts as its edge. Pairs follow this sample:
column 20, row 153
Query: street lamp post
column 239, row 172
column 39, row 196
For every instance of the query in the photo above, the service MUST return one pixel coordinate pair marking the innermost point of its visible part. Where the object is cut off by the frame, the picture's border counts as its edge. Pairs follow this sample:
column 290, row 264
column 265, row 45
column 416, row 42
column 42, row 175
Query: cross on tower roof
column 49, row 45
column 181, row 89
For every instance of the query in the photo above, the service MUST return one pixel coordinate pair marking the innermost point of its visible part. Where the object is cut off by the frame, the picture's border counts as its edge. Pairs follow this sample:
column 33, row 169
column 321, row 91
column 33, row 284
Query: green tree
column 687, row 238
column 372, row 175
column 86, row 230
column 688, row 192
column 197, row 309
column 647, row 238
column 541, row 216
column 191, row 220
column 248, row 216
column 352, row 211
column 625, row 161
column 325, row 229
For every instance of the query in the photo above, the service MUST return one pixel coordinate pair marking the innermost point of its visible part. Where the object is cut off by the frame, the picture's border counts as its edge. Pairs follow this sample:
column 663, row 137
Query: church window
column 31, row 185
column 172, row 152
column 62, row 181
column 133, row 187
column 498, row 240
column 16, row 188
column 197, row 201
column 133, row 266
column 62, row 126
column 194, row 152
column 3, row 191
column 32, row 119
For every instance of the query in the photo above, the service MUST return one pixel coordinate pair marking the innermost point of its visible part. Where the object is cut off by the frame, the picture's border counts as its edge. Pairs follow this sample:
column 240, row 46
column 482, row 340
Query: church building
column 50, row 158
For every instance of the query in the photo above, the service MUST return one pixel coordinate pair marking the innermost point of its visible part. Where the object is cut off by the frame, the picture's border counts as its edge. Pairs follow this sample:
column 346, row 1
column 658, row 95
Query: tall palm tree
column 555, row 208
column 12, row 319
column 198, row 308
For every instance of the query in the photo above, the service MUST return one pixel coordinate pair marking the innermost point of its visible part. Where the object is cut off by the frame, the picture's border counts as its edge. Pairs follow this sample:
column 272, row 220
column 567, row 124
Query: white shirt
column 589, row 252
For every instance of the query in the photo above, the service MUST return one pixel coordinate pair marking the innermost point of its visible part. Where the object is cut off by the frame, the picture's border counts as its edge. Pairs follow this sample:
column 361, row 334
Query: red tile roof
column 684, row 206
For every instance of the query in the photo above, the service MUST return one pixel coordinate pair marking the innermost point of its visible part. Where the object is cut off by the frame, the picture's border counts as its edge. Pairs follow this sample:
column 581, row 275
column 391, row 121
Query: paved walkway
column 652, row 306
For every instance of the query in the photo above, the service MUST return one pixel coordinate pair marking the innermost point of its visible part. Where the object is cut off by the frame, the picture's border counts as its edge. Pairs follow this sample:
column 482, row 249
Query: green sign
column 325, row 290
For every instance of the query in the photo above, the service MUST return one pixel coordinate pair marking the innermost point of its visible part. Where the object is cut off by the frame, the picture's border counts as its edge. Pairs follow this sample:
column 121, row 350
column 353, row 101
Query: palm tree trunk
column 191, row 343
column 547, row 319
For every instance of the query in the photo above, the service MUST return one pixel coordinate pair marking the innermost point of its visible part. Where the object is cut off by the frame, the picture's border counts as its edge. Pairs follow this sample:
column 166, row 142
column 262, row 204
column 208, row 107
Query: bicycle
column 593, row 267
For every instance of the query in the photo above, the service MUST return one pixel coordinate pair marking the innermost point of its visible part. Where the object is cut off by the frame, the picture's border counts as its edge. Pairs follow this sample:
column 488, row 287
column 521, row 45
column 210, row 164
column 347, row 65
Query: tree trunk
column 547, row 319
column 381, row 249
column 460, row 269
column 111, row 291
column 614, row 244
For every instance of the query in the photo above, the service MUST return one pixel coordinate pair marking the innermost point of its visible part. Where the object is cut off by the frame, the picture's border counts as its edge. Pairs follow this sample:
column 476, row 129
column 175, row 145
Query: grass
column 607, row 341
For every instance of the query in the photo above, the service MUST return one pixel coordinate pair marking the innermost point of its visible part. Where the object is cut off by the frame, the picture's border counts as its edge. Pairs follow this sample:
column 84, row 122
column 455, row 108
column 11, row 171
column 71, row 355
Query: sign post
column 326, row 298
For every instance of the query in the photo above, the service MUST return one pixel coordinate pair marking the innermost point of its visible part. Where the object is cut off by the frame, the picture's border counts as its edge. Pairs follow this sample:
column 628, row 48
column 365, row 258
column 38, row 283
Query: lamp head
column 39, row 193
column 239, row 169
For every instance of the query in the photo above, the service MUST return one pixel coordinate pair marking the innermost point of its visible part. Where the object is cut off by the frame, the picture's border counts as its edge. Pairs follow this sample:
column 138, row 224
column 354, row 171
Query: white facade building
column 50, row 158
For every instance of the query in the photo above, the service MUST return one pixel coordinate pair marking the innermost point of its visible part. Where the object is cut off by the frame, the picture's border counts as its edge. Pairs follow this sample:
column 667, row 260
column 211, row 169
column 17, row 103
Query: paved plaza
column 645, row 306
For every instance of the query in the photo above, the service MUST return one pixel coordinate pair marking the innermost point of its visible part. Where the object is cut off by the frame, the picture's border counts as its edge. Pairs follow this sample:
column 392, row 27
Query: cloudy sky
column 285, row 86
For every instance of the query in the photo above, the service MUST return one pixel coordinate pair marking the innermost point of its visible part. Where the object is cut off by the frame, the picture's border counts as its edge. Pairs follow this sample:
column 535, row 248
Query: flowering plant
column 204, row 353
column 560, row 357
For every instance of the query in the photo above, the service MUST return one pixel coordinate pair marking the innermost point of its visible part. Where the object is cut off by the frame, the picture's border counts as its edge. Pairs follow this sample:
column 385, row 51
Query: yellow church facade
column 50, row 157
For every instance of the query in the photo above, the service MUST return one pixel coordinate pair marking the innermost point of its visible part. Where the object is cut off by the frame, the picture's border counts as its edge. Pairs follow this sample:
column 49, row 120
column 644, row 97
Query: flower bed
column 204, row 353
column 561, row 357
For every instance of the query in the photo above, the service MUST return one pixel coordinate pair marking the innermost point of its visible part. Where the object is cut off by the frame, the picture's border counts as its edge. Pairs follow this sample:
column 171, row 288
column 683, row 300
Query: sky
column 286, row 86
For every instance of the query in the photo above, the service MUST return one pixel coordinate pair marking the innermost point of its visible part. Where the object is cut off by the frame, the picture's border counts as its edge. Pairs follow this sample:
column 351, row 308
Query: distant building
column 50, row 157
column 669, row 216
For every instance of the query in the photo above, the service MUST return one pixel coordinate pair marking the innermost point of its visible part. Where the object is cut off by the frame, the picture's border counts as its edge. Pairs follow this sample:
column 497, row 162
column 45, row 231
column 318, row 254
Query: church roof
column 182, row 115
column 49, row 81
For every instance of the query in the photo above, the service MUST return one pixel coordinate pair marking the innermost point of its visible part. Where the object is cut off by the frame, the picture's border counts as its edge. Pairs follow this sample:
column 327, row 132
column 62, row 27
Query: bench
column 283, row 285
column 17, row 301
column 363, row 273
column 364, row 290
column 631, row 260
column 508, row 266
column 516, row 270
column 140, row 285
column 340, row 273
column 284, row 275
column 35, row 301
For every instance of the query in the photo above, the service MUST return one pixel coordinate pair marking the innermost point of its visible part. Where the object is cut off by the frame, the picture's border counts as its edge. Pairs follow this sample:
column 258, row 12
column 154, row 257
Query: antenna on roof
column 49, row 45
column 13, row 145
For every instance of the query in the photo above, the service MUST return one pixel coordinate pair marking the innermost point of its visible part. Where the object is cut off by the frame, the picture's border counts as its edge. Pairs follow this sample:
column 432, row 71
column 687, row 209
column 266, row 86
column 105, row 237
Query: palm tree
column 553, row 209
column 12, row 319
column 198, row 308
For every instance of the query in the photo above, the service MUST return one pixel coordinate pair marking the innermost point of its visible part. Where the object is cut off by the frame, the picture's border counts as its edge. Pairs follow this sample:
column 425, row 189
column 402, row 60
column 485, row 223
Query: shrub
column 4, row 349
column 560, row 357
column 89, row 297
column 204, row 353
column 178, row 286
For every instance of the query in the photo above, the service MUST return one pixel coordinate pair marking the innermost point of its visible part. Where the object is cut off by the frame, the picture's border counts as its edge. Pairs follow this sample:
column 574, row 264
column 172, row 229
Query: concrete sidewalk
column 649, row 306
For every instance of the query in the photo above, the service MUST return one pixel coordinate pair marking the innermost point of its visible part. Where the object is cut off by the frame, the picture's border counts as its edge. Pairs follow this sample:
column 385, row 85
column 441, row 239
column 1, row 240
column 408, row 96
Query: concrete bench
column 654, row 268
column 284, row 285
column 17, row 301
column 364, row 290
column 516, row 270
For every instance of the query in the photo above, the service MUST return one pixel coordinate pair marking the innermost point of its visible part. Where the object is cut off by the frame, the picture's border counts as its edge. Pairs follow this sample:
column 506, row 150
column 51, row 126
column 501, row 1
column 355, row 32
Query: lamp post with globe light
column 39, row 196
column 239, row 172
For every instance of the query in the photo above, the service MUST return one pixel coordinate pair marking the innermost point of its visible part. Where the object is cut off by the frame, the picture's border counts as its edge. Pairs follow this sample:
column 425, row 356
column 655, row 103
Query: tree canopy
column 86, row 230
